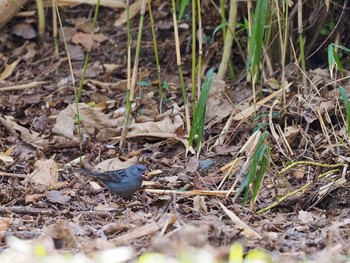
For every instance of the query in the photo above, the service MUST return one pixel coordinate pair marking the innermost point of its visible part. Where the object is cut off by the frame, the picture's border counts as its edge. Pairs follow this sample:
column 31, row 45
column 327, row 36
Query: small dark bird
column 123, row 182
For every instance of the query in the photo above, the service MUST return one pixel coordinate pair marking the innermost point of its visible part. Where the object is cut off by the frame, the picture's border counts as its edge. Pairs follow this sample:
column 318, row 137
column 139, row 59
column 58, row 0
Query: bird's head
column 137, row 170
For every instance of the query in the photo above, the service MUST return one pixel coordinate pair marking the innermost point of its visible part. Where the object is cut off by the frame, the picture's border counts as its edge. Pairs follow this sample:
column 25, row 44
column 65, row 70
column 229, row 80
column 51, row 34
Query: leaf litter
column 182, row 207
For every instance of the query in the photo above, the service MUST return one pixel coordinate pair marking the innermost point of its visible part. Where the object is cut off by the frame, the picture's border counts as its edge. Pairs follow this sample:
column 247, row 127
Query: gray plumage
column 123, row 182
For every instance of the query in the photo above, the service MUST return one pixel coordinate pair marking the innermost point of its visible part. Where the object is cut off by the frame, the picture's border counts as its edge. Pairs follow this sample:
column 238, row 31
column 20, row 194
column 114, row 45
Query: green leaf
column 258, row 182
column 199, row 114
column 347, row 107
column 218, row 28
column 256, row 39
column 182, row 8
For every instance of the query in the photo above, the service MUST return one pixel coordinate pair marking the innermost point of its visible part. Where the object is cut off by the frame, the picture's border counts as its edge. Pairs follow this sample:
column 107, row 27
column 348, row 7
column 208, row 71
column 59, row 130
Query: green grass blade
column 256, row 39
column 252, row 180
column 257, row 184
column 199, row 114
column 182, row 8
column 347, row 107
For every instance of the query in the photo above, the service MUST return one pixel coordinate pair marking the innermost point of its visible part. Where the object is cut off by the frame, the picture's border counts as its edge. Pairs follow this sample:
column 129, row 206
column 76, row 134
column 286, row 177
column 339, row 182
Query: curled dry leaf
column 27, row 136
column 199, row 204
column 92, row 120
column 207, row 182
column 192, row 164
column 115, row 164
column 63, row 234
column 5, row 156
column 291, row 132
column 57, row 197
column 9, row 69
column 298, row 173
column 33, row 198
column 166, row 125
column 134, row 9
column 25, row 31
column 45, row 174
column 218, row 106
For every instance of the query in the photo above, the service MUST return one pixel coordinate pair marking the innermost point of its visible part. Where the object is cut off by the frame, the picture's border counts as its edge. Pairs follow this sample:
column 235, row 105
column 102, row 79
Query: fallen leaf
column 218, row 106
column 291, row 132
column 192, row 164
column 134, row 9
column 57, row 197
column 45, row 174
column 24, row 30
column 93, row 121
column 9, row 69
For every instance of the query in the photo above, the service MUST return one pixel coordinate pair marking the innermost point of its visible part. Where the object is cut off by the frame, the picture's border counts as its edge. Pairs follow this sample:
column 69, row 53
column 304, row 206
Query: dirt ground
column 179, row 208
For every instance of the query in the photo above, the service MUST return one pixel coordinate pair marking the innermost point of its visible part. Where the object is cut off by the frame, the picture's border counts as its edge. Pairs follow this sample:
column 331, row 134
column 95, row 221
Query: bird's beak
column 145, row 177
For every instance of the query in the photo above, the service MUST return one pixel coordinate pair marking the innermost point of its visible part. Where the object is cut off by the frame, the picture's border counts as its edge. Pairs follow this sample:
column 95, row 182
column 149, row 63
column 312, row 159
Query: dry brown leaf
column 99, row 38
column 249, row 147
column 55, row 196
column 145, row 230
column 24, row 30
column 5, row 156
column 45, row 175
column 134, row 9
column 4, row 224
column 298, row 173
column 9, row 69
column 63, row 233
column 115, row 164
column 291, row 132
column 92, row 120
column 192, row 164
column 33, row 198
column 253, row 108
column 166, row 125
column 246, row 230
column 199, row 204
column 27, row 136
column 218, row 106
column 83, row 39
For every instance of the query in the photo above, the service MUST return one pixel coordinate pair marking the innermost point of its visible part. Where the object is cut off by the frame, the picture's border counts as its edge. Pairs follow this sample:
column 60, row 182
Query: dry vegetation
column 254, row 155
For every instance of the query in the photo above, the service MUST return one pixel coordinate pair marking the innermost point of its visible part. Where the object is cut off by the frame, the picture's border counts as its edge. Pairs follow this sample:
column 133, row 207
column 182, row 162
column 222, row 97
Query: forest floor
column 180, row 208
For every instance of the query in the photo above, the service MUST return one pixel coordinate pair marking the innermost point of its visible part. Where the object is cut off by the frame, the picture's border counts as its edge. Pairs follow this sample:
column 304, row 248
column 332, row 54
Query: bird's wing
column 113, row 176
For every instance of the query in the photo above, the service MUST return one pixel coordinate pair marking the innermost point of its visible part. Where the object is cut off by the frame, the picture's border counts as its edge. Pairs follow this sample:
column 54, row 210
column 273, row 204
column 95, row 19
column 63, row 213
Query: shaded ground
column 80, row 215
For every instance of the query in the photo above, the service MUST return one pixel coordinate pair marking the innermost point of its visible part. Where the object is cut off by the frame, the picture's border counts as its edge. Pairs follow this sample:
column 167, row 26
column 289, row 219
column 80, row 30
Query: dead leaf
column 291, row 132
column 5, row 156
column 84, row 39
column 24, row 30
column 63, row 234
column 45, row 174
column 305, row 217
column 134, row 9
column 57, row 197
column 199, row 204
column 33, row 198
column 192, row 164
column 100, row 38
column 218, row 106
column 27, row 136
column 92, row 120
column 9, row 69
column 298, row 173
column 166, row 125
column 246, row 230
column 207, row 182
column 115, row 164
